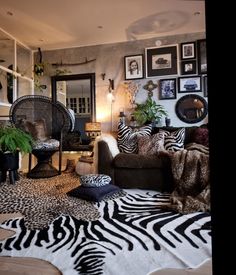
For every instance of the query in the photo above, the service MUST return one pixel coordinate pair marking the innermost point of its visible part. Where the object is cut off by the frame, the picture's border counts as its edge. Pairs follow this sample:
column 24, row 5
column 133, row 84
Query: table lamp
column 93, row 129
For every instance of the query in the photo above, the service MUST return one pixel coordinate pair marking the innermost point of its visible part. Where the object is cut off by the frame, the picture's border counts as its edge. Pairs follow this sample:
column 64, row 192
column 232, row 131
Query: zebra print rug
column 133, row 236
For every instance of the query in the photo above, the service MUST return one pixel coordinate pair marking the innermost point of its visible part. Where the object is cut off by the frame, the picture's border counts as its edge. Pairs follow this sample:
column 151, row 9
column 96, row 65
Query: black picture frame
column 136, row 60
column 189, row 84
column 167, row 88
column 205, row 87
column 202, row 56
column 188, row 67
column 161, row 61
column 188, row 50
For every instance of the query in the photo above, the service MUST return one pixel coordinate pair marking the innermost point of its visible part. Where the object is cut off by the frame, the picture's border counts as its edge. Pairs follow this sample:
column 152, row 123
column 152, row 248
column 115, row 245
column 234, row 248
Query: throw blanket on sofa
column 190, row 168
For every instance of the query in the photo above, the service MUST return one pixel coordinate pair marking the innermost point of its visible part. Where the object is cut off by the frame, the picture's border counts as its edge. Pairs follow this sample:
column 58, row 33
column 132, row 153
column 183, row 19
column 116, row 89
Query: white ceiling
column 55, row 24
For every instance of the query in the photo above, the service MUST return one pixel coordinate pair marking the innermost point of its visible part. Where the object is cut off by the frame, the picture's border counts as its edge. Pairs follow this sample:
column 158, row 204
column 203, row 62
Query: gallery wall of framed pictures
column 179, row 68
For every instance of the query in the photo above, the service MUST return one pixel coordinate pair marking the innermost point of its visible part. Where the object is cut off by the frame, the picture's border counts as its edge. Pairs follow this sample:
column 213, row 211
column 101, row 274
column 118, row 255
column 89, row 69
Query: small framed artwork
column 205, row 88
column 188, row 50
column 188, row 67
column 133, row 66
column 201, row 56
column 167, row 88
column 189, row 84
column 161, row 61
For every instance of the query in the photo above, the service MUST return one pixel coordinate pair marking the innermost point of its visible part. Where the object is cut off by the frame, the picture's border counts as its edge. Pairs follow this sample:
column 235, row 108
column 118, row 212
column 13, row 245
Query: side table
column 84, row 165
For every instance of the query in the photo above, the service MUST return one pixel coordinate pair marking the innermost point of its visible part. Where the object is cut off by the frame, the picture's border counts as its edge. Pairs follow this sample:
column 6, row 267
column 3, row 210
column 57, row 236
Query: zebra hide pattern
column 132, row 237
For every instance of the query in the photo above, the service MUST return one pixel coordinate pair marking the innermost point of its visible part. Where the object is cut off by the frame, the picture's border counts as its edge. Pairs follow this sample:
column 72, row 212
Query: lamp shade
column 93, row 129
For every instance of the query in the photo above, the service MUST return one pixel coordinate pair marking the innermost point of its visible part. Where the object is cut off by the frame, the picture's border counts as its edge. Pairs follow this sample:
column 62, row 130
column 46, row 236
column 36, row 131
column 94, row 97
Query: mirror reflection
column 77, row 93
column 191, row 108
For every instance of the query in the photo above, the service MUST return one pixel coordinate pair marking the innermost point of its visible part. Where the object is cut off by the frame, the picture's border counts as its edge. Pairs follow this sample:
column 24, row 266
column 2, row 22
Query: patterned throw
column 133, row 236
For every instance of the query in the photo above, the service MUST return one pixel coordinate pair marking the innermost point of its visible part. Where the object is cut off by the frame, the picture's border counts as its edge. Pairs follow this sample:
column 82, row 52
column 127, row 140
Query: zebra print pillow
column 94, row 180
column 127, row 137
column 174, row 141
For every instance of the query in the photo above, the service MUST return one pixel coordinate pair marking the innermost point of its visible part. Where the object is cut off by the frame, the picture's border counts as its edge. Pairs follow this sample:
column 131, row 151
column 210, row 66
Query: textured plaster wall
column 110, row 60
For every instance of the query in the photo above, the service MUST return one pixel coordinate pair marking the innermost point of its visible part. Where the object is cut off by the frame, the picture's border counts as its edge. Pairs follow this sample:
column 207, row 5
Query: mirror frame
column 90, row 76
column 191, row 96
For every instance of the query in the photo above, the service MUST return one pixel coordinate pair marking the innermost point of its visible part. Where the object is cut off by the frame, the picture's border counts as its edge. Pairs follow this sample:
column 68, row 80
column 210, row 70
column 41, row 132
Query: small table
column 84, row 166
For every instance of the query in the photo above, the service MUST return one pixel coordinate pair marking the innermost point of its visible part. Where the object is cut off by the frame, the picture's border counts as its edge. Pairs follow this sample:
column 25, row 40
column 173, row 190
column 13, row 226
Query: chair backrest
column 32, row 108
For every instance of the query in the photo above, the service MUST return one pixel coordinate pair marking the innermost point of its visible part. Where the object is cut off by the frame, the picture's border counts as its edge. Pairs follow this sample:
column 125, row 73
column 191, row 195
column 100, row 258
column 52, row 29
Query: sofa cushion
column 136, row 161
column 94, row 193
column 94, row 180
column 174, row 141
column 201, row 136
column 127, row 137
column 151, row 145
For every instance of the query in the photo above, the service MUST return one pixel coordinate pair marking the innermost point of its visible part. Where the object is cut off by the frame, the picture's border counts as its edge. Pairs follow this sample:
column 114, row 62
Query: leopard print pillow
column 151, row 145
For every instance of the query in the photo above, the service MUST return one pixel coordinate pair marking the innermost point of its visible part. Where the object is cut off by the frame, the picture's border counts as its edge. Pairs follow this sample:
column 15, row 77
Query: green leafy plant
column 149, row 111
column 13, row 139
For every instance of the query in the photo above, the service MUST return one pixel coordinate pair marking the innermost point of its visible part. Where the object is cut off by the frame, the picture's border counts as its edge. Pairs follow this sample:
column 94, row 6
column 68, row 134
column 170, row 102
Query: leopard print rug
column 40, row 201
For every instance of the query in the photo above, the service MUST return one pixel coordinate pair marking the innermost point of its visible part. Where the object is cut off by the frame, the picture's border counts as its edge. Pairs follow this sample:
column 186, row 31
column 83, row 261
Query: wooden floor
column 20, row 265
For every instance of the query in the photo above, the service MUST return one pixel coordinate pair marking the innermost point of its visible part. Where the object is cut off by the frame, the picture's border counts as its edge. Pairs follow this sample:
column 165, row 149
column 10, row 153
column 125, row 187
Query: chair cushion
column 37, row 129
column 49, row 144
column 94, row 193
column 127, row 137
column 94, row 180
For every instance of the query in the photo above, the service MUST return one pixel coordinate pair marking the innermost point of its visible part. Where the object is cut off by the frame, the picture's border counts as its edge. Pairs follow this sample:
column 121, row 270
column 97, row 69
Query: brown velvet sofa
column 138, row 171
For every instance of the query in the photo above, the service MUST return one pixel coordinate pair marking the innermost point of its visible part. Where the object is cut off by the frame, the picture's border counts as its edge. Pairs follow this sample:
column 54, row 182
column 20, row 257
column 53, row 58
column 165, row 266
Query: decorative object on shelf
column 149, row 112
column 122, row 116
column 161, row 61
column 93, row 129
column 133, row 66
column 133, row 122
column 150, row 86
column 167, row 121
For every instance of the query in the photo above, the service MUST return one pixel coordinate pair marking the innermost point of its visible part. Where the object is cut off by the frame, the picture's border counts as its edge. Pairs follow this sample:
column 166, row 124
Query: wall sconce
column 111, row 84
column 103, row 76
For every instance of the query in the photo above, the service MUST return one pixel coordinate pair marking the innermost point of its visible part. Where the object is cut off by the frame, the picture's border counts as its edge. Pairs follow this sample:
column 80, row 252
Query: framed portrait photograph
column 201, row 56
column 188, row 67
column 167, row 88
column 134, row 66
column 161, row 61
column 188, row 50
column 189, row 84
column 205, row 89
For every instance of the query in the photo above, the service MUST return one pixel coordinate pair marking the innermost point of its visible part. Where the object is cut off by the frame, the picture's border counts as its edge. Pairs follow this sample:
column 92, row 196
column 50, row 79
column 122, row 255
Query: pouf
column 84, row 168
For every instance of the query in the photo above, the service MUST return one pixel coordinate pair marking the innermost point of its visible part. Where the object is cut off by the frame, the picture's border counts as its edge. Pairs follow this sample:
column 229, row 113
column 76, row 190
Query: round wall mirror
column 191, row 108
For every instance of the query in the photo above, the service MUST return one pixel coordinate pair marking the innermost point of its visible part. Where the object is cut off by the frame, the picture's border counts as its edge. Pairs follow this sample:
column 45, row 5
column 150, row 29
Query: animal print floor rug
column 132, row 236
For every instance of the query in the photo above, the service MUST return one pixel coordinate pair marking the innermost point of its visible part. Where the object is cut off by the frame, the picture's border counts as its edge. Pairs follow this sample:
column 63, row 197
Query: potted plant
column 12, row 141
column 149, row 112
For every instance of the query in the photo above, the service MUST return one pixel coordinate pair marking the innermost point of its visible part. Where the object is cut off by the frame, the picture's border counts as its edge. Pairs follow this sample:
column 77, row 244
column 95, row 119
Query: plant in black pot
column 12, row 141
column 149, row 112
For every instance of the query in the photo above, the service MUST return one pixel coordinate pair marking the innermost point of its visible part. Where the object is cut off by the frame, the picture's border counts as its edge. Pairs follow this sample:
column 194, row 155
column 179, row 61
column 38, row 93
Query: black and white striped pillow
column 127, row 137
column 94, row 180
column 174, row 141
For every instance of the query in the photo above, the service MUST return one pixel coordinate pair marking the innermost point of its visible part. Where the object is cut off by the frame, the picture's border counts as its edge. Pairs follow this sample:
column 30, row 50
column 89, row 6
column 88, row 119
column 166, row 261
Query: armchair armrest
column 105, row 149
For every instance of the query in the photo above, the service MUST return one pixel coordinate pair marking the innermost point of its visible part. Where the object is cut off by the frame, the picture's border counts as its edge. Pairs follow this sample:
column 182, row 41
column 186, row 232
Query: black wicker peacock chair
column 47, row 122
